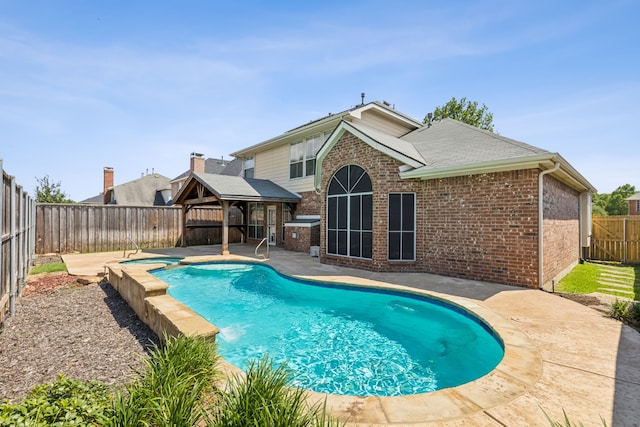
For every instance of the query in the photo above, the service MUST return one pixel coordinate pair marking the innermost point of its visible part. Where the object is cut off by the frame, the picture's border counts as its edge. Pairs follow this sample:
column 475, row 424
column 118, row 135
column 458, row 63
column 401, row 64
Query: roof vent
column 387, row 103
column 362, row 98
column 429, row 118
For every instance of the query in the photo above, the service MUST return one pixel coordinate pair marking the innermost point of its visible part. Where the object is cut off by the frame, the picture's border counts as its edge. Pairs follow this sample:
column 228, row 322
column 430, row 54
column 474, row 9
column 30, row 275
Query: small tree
column 48, row 191
column 614, row 203
column 617, row 204
column 465, row 111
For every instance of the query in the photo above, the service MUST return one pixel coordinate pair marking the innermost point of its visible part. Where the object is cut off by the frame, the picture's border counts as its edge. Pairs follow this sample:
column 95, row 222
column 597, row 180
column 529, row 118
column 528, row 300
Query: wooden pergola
column 228, row 191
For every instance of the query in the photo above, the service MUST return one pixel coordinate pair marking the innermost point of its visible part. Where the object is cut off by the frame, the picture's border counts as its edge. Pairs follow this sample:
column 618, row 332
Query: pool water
column 157, row 260
column 338, row 339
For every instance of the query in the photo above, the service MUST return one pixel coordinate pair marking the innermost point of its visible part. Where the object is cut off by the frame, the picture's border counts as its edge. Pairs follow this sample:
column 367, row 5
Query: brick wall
column 305, row 238
column 481, row 227
column 310, row 203
column 561, row 227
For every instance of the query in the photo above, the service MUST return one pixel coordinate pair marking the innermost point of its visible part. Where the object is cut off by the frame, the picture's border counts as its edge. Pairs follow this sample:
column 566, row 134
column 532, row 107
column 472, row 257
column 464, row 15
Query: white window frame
column 287, row 215
column 258, row 223
column 309, row 147
column 249, row 164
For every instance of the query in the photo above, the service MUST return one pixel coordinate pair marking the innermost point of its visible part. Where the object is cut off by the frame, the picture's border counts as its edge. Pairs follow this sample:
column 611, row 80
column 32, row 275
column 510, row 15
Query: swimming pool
column 338, row 339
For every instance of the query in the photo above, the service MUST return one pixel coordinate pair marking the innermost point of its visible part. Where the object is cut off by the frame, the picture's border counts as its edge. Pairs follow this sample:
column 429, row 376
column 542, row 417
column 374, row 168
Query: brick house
column 382, row 191
column 634, row 204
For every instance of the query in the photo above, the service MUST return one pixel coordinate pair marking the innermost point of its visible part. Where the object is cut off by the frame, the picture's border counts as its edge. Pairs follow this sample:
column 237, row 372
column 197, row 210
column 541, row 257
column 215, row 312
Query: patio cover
column 226, row 191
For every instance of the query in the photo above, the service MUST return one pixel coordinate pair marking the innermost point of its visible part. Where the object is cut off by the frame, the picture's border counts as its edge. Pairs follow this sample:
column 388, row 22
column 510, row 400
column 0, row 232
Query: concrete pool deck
column 590, row 364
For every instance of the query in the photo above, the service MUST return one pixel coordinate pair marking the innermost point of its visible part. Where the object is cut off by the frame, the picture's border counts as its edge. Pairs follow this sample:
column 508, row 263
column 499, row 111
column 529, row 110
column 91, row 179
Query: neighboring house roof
column 233, row 168
column 634, row 197
column 143, row 191
column 95, row 199
column 449, row 148
column 327, row 122
column 213, row 165
column 235, row 188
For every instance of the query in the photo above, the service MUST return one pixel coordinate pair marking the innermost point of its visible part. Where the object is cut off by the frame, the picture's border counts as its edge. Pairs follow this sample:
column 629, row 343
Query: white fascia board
column 478, row 168
column 357, row 113
column 574, row 175
column 566, row 172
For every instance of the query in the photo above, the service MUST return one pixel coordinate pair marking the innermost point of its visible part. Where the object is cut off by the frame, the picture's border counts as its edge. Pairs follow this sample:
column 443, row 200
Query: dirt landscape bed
column 65, row 325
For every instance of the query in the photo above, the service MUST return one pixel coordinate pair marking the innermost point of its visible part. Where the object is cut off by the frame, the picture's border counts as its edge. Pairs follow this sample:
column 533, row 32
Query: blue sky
column 139, row 85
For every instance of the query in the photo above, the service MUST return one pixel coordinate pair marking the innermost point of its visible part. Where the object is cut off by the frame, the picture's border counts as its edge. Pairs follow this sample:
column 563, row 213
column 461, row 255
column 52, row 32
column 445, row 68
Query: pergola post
column 225, row 227
column 183, row 240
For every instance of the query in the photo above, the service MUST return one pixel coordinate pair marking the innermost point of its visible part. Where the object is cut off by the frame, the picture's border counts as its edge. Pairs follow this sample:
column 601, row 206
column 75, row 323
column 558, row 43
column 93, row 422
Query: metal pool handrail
column 132, row 253
column 258, row 247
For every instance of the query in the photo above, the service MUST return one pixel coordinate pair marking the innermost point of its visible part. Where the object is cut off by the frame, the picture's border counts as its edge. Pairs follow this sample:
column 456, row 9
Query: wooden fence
column 616, row 238
column 17, row 219
column 66, row 228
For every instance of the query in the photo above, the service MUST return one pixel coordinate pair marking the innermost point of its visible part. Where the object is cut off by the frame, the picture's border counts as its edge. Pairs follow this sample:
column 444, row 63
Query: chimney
column 108, row 179
column 107, row 183
column 197, row 163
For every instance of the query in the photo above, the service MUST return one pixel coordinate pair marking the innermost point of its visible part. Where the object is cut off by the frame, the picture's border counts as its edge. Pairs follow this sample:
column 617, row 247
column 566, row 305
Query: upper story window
column 249, row 165
column 302, row 155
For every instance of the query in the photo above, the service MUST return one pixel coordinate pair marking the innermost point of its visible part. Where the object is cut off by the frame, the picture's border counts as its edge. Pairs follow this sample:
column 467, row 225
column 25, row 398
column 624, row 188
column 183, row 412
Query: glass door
column 271, row 224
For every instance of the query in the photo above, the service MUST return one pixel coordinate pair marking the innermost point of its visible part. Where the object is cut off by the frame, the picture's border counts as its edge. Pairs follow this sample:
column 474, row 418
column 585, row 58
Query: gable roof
column 141, row 191
column 396, row 148
column 448, row 148
column 634, row 197
column 231, row 188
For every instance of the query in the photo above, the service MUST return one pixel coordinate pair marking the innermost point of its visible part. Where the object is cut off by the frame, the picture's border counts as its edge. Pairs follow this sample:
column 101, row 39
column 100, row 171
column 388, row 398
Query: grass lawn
column 606, row 278
column 49, row 268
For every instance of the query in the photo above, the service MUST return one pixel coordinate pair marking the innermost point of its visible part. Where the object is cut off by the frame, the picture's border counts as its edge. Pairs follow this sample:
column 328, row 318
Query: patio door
column 271, row 224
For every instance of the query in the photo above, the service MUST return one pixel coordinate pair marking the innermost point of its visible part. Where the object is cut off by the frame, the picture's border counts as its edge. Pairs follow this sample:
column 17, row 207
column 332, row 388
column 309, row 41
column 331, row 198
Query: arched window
column 350, row 213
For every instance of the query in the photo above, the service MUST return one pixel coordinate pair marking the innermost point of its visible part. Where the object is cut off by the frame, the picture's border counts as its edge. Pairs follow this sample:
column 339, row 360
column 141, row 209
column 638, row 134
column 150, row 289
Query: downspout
column 555, row 167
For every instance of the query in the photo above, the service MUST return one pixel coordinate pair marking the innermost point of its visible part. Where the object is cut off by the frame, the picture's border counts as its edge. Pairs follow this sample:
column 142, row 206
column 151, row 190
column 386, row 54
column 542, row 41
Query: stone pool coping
column 519, row 370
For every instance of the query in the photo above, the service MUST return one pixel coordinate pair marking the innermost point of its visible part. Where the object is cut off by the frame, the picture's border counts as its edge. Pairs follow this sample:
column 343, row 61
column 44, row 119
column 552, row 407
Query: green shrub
column 618, row 309
column 566, row 422
column 65, row 402
column 633, row 314
column 625, row 311
column 171, row 387
column 262, row 398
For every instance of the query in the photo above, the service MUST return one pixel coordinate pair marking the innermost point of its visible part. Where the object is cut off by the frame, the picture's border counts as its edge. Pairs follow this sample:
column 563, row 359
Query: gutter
column 478, row 168
column 541, row 223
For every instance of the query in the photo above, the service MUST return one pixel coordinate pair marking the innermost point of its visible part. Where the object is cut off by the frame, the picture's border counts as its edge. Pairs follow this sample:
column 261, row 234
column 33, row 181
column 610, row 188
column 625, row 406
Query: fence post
column 2, row 219
column 12, row 249
column 20, row 242
column 624, row 240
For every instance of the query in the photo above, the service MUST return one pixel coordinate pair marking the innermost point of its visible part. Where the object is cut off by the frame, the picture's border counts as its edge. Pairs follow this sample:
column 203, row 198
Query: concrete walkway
column 590, row 363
